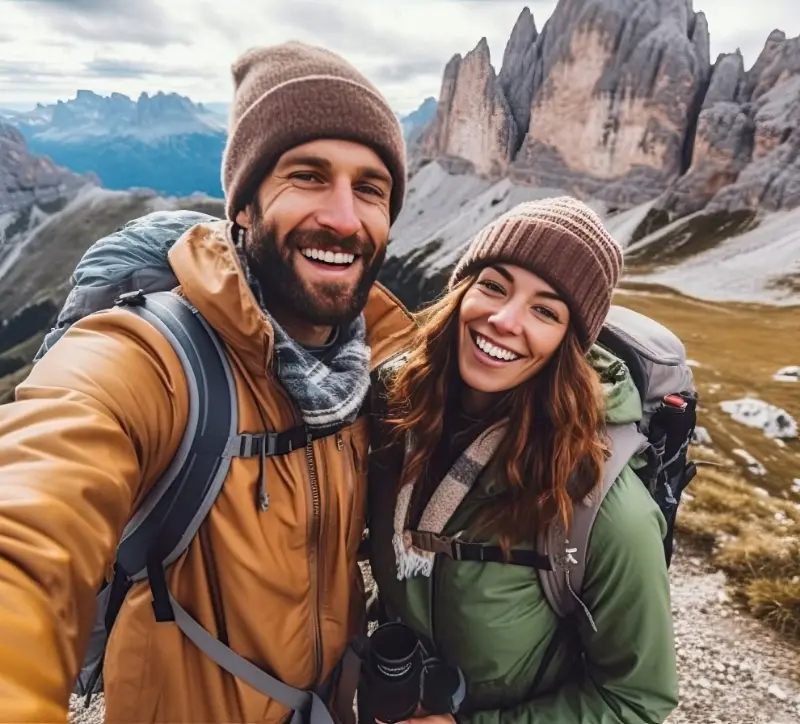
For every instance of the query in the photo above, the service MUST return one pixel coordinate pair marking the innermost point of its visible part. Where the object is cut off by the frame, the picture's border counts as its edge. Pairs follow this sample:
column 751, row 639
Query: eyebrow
column 369, row 172
column 508, row 276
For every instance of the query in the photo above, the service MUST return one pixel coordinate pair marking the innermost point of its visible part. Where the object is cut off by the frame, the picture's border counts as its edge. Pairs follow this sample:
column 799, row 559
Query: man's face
column 317, row 230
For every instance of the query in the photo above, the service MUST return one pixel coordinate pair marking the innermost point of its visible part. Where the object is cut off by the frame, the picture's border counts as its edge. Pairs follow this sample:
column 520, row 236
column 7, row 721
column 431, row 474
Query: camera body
column 400, row 680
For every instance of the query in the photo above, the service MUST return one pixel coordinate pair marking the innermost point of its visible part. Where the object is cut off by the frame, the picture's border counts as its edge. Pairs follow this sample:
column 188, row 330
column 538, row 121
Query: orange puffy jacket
column 92, row 428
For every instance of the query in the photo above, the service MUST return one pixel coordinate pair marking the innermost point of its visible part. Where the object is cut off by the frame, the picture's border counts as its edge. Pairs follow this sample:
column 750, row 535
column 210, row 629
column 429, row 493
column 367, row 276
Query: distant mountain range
column 163, row 142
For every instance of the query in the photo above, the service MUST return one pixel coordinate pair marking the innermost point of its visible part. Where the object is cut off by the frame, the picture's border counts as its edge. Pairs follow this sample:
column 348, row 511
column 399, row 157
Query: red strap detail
column 674, row 400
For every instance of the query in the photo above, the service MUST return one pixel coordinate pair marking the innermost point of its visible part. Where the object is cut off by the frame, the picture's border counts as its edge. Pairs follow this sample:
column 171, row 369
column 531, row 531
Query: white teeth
column 495, row 351
column 329, row 257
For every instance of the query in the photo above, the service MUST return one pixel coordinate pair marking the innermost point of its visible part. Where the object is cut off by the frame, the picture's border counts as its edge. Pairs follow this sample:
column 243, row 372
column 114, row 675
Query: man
column 314, row 175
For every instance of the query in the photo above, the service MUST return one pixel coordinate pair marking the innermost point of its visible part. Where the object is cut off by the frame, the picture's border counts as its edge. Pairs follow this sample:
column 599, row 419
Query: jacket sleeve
column 96, row 420
column 631, row 673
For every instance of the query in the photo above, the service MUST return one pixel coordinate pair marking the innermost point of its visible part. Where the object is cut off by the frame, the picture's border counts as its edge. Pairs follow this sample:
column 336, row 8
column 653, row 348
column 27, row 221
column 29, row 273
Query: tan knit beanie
column 561, row 240
column 289, row 94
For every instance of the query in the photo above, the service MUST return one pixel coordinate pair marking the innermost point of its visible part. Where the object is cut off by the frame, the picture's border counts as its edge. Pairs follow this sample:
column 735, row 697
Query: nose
column 338, row 209
column 508, row 319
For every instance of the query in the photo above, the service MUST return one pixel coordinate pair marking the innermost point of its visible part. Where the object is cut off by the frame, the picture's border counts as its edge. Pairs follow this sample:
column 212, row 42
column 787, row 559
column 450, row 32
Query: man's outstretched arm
column 95, row 422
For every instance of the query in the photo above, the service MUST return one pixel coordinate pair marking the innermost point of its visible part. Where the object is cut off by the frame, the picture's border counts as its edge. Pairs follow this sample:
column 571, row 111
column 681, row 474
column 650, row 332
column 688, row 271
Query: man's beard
column 282, row 287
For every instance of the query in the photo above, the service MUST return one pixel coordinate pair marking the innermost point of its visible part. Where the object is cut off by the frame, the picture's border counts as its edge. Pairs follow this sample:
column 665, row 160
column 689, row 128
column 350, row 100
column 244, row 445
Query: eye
column 546, row 312
column 492, row 286
column 306, row 176
column 370, row 189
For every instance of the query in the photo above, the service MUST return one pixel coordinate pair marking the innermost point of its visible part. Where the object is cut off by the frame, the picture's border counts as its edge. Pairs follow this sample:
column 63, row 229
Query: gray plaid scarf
column 327, row 392
column 443, row 503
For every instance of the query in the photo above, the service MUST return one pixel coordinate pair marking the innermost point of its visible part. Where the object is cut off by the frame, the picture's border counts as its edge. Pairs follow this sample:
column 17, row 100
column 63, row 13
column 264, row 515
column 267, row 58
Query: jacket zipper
column 316, row 524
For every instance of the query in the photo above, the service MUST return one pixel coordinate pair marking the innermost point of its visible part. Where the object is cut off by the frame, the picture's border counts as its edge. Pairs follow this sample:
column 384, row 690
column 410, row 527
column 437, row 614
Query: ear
column 243, row 218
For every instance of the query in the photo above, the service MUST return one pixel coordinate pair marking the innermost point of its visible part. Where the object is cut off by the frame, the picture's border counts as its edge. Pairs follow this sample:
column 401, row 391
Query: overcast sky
column 50, row 48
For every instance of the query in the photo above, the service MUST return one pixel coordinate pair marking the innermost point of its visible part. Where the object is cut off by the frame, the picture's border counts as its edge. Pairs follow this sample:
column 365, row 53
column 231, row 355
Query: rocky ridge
column 618, row 100
column 26, row 179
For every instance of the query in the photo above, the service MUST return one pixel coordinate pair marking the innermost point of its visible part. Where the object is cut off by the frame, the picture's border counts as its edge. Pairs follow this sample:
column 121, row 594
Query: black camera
column 400, row 680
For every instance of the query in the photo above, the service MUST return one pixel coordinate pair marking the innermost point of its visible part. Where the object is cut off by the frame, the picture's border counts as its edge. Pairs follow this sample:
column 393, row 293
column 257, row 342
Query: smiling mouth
column 330, row 259
column 496, row 352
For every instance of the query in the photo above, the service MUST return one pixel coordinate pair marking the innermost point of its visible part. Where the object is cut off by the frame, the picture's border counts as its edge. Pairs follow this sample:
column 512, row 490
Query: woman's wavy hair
column 554, row 449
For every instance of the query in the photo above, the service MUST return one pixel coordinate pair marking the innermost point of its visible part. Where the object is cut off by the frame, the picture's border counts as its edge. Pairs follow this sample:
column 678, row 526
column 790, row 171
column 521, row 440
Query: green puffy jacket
column 493, row 621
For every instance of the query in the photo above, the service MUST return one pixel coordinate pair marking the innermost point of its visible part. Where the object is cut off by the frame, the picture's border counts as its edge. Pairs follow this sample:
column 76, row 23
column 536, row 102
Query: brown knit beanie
column 561, row 240
column 289, row 94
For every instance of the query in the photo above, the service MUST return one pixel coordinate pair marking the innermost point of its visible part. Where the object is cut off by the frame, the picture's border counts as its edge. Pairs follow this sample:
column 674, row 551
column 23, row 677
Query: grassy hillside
column 748, row 523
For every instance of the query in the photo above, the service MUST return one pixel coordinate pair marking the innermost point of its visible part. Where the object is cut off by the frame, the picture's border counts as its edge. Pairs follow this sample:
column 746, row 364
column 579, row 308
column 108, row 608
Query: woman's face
column 511, row 322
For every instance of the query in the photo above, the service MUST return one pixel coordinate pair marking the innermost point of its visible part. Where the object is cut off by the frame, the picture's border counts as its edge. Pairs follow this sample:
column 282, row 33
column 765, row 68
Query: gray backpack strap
column 190, row 485
column 308, row 707
column 563, row 584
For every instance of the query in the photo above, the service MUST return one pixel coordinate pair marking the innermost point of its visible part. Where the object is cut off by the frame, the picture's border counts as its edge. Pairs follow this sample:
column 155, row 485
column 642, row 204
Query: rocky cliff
column 747, row 148
column 473, row 119
column 26, row 179
column 618, row 100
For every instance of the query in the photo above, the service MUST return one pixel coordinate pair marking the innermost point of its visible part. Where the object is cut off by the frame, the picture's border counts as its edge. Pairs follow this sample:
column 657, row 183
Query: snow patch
column 755, row 467
column 622, row 225
column 747, row 267
column 787, row 374
column 773, row 421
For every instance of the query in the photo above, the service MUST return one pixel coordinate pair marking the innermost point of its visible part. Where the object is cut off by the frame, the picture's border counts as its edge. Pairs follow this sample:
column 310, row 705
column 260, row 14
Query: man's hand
column 432, row 719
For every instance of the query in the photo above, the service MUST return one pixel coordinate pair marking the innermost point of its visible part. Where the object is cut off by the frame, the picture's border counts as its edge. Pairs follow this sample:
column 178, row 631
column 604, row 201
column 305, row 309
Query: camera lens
column 394, row 673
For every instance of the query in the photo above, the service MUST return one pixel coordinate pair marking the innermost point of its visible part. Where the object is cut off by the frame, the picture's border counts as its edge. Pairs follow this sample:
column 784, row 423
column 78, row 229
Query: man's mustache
column 324, row 239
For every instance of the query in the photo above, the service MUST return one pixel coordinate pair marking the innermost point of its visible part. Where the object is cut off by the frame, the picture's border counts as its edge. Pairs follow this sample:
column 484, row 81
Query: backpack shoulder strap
column 562, row 583
column 174, row 509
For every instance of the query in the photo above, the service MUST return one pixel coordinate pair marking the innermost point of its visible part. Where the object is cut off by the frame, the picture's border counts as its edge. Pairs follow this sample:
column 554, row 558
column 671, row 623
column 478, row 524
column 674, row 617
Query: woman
column 490, row 428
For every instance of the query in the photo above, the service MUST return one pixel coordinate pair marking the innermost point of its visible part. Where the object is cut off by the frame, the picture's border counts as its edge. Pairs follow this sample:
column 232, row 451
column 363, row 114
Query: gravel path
column 733, row 670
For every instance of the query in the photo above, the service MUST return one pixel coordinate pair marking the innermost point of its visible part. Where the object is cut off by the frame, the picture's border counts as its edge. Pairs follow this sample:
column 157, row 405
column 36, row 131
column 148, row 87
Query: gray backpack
column 656, row 359
column 130, row 268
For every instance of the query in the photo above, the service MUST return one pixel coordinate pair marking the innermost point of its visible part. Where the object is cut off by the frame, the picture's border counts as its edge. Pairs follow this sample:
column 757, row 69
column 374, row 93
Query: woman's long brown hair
column 554, row 449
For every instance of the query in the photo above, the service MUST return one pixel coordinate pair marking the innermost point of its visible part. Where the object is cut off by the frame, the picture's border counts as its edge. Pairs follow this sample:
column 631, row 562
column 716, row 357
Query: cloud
column 53, row 47
column 142, row 22
column 19, row 72
column 334, row 25
column 113, row 68
column 407, row 70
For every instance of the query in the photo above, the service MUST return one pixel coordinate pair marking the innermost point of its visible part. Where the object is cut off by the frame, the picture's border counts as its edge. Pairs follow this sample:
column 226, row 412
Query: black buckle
column 456, row 547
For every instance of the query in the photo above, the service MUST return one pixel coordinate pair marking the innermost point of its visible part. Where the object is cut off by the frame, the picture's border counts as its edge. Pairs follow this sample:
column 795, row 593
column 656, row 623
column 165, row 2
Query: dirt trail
column 733, row 669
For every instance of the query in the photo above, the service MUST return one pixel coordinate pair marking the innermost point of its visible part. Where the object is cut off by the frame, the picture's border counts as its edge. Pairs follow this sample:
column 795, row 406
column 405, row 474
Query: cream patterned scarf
column 443, row 503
